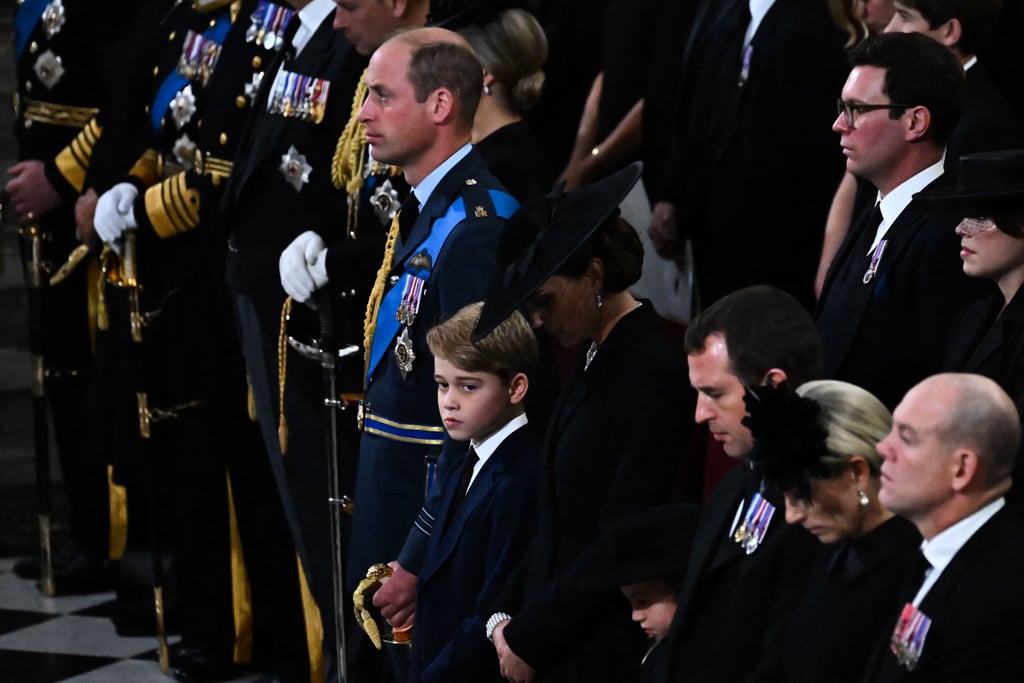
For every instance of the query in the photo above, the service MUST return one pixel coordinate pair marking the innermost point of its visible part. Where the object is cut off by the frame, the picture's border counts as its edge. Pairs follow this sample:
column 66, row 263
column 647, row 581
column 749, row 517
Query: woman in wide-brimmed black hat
column 613, row 443
column 988, row 338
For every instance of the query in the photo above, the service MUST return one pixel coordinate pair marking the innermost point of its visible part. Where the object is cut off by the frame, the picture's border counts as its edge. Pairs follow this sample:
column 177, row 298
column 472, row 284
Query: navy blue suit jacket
column 469, row 556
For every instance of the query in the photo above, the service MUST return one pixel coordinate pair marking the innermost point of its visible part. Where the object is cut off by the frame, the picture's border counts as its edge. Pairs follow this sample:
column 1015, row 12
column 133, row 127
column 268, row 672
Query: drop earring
column 598, row 298
column 487, row 89
column 863, row 500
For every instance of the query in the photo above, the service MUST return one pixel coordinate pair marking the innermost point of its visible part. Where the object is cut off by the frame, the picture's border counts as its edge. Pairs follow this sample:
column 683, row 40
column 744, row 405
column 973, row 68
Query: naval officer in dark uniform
column 282, row 185
column 206, row 78
column 63, row 64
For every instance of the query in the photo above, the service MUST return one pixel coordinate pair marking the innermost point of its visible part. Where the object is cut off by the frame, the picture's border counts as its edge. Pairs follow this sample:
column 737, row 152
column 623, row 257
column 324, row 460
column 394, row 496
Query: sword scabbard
column 46, row 557
column 161, row 631
column 142, row 399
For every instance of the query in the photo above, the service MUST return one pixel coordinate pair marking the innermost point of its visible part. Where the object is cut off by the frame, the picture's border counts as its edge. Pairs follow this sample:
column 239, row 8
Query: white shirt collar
column 901, row 196
column 311, row 16
column 485, row 449
column 941, row 549
column 430, row 183
column 758, row 8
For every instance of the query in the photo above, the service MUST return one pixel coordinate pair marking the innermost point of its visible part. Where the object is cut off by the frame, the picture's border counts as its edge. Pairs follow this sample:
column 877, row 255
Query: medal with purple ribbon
column 876, row 259
column 908, row 637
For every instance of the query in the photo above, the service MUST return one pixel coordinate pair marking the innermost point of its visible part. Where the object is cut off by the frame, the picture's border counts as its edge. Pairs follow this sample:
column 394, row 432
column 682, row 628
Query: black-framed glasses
column 849, row 110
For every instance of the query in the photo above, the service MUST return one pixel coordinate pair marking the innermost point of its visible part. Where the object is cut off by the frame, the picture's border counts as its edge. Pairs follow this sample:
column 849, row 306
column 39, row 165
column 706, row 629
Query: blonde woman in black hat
column 612, row 446
column 988, row 338
column 817, row 445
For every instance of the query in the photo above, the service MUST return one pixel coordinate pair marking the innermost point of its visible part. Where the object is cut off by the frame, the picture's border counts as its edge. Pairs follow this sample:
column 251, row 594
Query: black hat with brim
column 650, row 544
column 539, row 238
column 985, row 177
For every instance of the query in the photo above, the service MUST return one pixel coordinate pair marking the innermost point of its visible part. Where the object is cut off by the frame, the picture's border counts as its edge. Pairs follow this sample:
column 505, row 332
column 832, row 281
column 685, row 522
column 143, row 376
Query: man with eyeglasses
column 895, row 286
column 988, row 121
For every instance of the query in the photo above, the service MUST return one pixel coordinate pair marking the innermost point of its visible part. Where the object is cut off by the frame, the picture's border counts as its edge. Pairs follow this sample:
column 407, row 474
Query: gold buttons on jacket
column 223, row 138
column 257, row 62
column 240, row 101
column 171, row 35
column 33, row 47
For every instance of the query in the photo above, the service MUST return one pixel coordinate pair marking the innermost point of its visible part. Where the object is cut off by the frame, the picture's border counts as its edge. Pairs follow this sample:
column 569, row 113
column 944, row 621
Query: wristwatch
column 492, row 623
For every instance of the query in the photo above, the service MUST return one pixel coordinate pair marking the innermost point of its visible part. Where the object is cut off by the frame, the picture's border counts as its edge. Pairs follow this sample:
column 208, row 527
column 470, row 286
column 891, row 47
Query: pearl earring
column 863, row 500
column 598, row 298
column 487, row 89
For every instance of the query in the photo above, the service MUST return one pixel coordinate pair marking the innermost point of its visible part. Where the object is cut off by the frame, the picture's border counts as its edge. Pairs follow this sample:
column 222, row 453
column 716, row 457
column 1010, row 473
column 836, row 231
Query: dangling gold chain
column 350, row 154
column 282, row 371
column 377, row 293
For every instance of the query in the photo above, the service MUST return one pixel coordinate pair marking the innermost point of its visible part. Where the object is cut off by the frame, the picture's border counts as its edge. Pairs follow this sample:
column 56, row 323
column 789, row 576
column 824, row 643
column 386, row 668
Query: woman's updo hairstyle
column 513, row 49
column 618, row 246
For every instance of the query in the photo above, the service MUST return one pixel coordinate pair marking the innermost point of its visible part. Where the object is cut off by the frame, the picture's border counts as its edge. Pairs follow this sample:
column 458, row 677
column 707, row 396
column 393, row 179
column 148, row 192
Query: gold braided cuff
column 172, row 207
column 73, row 161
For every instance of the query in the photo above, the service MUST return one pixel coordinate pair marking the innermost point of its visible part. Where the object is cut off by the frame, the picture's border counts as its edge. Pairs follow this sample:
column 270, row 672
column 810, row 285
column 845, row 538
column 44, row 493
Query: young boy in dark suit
column 486, row 514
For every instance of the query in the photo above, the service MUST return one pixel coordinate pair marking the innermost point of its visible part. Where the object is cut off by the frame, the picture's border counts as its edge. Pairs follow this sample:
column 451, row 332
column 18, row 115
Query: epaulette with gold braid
column 348, row 170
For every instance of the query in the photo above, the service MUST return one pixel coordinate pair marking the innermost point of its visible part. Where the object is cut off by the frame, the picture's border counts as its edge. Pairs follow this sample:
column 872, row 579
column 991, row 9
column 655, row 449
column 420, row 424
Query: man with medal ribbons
column 895, row 285
column 947, row 467
column 748, row 568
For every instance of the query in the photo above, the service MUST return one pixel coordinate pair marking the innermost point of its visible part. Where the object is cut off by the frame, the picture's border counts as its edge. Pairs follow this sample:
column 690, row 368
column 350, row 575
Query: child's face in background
column 653, row 604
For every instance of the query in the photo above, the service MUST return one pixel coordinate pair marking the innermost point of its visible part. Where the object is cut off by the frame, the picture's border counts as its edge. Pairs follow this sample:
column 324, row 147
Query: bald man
column 947, row 465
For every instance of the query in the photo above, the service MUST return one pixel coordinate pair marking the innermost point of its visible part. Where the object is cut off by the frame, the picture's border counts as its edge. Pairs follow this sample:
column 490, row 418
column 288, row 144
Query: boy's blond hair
column 509, row 349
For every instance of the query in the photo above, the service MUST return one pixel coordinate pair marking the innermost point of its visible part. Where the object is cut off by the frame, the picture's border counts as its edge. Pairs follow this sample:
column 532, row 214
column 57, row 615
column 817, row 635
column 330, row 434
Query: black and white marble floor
column 68, row 639
column 46, row 640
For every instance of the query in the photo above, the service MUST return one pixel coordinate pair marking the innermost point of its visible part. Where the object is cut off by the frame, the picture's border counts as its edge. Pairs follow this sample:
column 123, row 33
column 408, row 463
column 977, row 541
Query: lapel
column 439, row 201
column 981, row 542
column 853, row 238
column 852, row 297
column 478, row 493
column 715, row 525
column 635, row 325
column 1007, row 325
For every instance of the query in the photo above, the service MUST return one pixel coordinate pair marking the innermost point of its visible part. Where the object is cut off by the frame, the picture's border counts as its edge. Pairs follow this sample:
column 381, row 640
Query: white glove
column 115, row 212
column 295, row 266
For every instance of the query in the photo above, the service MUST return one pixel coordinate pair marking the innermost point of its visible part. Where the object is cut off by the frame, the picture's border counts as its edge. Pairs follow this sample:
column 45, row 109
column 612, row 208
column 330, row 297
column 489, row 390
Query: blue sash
column 175, row 81
column 387, row 319
column 25, row 20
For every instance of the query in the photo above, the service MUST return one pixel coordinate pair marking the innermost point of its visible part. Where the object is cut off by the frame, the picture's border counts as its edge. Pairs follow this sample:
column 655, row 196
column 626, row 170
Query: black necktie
column 467, row 474
column 408, row 214
column 916, row 575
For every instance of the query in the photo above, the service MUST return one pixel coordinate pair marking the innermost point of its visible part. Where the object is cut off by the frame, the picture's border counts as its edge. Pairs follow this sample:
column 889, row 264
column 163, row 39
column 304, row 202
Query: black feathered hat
column 789, row 441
